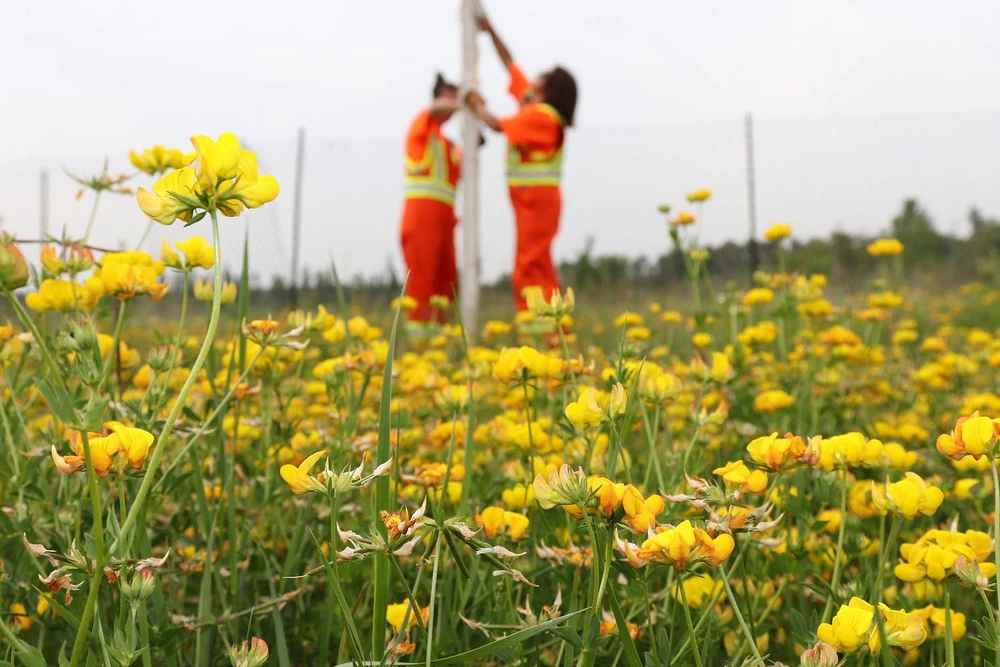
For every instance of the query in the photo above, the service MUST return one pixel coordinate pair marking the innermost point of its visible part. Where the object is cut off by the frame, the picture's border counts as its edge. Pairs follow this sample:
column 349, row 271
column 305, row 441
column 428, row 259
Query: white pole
column 469, row 282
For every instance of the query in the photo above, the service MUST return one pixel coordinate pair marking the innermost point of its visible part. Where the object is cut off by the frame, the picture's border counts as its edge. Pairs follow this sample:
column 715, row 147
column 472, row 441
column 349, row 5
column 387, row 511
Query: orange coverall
column 534, row 132
column 427, row 230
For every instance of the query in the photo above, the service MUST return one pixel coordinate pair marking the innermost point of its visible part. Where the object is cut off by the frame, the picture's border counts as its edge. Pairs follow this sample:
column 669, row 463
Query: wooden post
column 751, row 199
column 469, row 280
column 297, row 216
column 43, row 204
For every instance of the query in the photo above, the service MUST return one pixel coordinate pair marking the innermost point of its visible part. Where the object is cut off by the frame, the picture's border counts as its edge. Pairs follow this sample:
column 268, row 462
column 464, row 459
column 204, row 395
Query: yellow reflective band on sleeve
column 539, row 168
column 428, row 178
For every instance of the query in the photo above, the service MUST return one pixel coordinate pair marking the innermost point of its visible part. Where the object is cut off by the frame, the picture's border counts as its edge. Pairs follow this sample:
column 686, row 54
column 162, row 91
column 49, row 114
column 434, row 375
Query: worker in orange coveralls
column 535, row 137
column 427, row 231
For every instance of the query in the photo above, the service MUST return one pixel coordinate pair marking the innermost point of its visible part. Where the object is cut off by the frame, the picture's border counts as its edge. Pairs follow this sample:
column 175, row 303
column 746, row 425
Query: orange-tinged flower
column 299, row 478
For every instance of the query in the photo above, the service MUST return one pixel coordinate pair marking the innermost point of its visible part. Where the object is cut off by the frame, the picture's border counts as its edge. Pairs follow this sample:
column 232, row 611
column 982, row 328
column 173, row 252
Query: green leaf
column 381, row 576
column 500, row 645
column 570, row 636
column 64, row 611
column 94, row 418
column 631, row 653
column 58, row 400
column 30, row 656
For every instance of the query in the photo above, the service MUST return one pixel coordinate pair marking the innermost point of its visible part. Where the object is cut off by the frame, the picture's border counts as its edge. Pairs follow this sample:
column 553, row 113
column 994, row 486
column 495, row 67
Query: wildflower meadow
column 782, row 473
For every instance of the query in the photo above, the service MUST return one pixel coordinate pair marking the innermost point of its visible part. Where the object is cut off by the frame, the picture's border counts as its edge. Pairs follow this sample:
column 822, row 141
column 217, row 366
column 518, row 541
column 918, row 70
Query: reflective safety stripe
column 428, row 177
column 420, row 331
column 540, row 168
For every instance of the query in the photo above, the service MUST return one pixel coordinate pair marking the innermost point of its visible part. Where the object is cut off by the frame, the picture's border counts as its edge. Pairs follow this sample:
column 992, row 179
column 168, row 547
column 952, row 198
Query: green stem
column 835, row 581
column 11, row 447
column 83, row 633
column 690, row 625
column 93, row 216
column 736, row 610
column 430, row 612
column 29, row 324
column 996, row 536
column 113, row 351
column 199, row 362
column 145, row 233
column 184, row 307
column 211, row 418
column 949, row 639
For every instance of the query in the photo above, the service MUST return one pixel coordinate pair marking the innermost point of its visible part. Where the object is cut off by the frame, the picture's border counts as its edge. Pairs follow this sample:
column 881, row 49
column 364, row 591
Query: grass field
column 786, row 474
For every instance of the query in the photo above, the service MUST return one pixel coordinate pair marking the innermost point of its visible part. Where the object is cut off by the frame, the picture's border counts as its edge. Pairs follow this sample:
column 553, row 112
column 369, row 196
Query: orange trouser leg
column 536, row 213
column 428, row 240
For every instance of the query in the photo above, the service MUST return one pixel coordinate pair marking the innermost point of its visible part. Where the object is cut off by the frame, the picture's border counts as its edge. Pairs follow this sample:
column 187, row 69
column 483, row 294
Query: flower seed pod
column 14, row 271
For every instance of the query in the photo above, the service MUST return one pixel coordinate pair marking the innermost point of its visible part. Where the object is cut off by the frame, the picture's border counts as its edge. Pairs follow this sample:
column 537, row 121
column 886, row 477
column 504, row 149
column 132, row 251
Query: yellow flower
column 51, row 262
column 736, row 473
column 131, row 445
column 197, row 252
column 776, row 453
column 699, row 255
column 935, row 617
column 585, row 412
column 972, row 436
column 203, row 292
column 850, row 450
column 701, row 339
column 217, row 161
column 169, row 256
column 883, row 247
column 61, row 296
column 851, row 626
column 640, row 513
column 20, row 616
column 777, row 232
column 128, row 274
column 683, row 219
column 563, row 486
column 492, row 520
column 758, row 296
column 517, row 525
column 772, row 400
column 157, row 159
column 299, row 478
column 699, row 589
column 224, row 178
column 907, row 497
column 134, row 442
column 172, row 197
column 676, row 546
column 699, row 195
column 514, row 363
column 398, row 614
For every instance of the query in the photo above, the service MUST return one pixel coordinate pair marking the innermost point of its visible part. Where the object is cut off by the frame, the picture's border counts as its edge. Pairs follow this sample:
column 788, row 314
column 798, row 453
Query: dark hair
column 441, row 86
column 560, row 92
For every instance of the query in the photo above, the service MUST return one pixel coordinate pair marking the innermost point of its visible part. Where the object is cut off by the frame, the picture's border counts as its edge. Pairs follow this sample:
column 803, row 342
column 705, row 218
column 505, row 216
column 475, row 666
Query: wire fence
column 819, row 173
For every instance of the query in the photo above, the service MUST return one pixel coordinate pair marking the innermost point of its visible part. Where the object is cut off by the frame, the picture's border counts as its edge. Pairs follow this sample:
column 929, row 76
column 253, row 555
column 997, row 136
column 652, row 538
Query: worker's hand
column 484, row 24
column 474, row 100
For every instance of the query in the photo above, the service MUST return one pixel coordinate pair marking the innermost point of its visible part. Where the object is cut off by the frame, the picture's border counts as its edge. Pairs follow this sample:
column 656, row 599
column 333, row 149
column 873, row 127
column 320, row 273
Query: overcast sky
column 857, row 104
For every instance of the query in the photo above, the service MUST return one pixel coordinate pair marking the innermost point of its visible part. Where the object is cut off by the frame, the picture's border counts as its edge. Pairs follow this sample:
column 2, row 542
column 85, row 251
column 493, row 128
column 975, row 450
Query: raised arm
column 442, row 108
column 476, row 102
column 502, row 50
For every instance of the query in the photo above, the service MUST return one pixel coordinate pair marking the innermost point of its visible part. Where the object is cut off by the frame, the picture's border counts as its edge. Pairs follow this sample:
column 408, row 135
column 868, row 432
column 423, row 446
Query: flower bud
column 820, row 655
column 163, row 357
column 140, row 587
column 13, row 267
column 253, row 653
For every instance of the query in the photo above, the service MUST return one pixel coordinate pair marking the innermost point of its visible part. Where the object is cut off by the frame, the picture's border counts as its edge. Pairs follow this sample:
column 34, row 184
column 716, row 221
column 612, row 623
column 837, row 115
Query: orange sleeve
column 420, row 129
column 532, row 127
column 519, row 84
